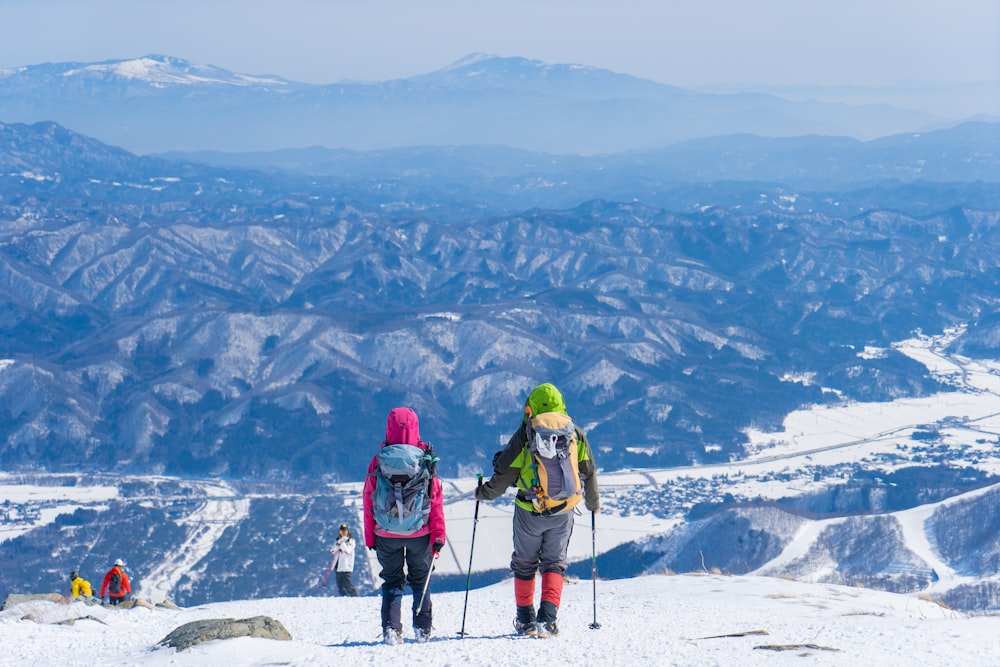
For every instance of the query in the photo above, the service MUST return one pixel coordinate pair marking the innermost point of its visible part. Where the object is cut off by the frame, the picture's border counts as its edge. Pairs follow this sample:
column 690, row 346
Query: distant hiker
column 116, row 584
column 404, row 521
column 79, row 586
column 550, row 462
column 344, row 563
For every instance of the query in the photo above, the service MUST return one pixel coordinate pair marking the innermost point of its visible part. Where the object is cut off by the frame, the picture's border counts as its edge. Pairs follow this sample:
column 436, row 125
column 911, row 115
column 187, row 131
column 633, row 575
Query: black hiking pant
column 395, row 553
column 345, row 584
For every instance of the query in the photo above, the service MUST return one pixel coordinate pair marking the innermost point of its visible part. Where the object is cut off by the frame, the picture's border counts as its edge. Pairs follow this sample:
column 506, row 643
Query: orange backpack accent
column 555, row 457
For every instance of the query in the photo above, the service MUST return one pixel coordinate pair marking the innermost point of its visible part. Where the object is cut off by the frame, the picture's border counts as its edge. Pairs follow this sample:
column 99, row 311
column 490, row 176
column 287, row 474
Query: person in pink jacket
column 404, row 522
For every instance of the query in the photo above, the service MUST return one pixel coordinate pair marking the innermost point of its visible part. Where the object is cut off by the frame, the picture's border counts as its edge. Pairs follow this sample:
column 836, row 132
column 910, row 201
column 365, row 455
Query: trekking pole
column 329, row 570
column 427, row 581
column 593, row 565
column 472, row 545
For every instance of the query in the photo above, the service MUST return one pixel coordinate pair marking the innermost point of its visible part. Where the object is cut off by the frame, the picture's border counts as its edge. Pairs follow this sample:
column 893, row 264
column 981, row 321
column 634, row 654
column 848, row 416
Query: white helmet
column 118, row 562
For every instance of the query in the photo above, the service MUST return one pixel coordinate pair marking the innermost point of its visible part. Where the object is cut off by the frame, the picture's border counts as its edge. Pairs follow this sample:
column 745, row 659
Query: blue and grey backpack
column 402, row 488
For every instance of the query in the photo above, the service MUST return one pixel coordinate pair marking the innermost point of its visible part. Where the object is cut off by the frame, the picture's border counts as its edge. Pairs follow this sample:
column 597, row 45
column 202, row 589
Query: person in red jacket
column 116, row 584
column 404, row 522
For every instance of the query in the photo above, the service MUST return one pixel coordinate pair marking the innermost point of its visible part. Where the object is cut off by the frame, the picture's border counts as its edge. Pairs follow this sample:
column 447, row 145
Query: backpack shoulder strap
column 430, row 458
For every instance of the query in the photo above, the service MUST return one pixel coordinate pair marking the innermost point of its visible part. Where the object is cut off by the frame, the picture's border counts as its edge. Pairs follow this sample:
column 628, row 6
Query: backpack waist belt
column 549, row 512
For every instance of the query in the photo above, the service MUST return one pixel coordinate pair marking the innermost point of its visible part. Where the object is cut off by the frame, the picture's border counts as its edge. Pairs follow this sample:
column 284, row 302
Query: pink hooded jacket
column 402, row 428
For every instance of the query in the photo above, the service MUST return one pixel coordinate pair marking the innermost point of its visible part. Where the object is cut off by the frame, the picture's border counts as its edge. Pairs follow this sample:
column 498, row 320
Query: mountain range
column 151, row 302
column 750, row 173
column 160, row 103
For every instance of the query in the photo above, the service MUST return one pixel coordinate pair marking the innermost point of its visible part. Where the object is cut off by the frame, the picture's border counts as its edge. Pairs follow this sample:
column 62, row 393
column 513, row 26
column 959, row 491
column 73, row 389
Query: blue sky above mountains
column 773, row 42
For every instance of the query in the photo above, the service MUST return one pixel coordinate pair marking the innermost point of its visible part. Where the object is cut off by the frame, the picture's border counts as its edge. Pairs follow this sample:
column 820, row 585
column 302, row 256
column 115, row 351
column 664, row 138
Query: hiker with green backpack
column 404, row 522
column 549, row 461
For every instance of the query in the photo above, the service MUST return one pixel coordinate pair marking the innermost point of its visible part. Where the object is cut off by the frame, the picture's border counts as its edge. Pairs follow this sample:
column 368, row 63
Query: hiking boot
column 522, row 628
column 422, row 634
column 546, row 620
column 392, row 637
column 547, row 629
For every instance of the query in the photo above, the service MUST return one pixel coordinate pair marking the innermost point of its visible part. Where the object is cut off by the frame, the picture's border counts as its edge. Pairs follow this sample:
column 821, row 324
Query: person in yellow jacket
column 79, row 586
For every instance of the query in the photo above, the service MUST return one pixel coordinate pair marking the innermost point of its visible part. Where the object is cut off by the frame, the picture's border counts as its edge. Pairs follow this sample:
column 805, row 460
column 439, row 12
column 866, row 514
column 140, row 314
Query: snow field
column 652, row 620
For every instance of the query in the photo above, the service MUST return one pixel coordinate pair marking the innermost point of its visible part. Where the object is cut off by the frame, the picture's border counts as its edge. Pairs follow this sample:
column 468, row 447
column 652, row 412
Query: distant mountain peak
column 146, row 104
column 511, row 63
column 487, row 71
column 159, row 70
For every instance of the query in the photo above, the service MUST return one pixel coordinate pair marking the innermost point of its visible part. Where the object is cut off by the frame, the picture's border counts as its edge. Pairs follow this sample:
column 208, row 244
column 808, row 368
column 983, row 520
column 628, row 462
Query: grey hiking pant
column 540, row 542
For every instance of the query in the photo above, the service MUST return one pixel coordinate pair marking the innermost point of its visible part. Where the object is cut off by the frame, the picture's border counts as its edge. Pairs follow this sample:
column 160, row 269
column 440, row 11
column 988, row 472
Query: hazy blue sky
column 682, row 42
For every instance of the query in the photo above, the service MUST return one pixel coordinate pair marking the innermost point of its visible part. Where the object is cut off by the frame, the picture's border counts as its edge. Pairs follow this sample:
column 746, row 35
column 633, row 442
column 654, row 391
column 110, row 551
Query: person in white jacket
column 344, row 553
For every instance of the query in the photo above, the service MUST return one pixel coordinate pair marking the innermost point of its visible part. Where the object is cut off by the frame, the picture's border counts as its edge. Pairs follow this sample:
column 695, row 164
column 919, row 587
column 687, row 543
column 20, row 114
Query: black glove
column 437, row 546
column 477, row 493
column 371, row 548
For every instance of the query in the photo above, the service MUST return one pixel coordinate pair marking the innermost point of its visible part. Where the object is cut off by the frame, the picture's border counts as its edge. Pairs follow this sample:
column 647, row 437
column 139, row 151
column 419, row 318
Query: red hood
column 402, row 427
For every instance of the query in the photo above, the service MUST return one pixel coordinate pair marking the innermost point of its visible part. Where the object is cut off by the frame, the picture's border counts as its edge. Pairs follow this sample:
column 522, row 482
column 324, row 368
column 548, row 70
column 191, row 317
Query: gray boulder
column 209, row 629
column 135, row 602
column 17, row 598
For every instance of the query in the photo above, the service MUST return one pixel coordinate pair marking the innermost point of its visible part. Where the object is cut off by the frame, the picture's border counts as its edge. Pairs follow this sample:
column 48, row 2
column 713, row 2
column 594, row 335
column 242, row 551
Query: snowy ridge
column 469, row 60
column 162, row 70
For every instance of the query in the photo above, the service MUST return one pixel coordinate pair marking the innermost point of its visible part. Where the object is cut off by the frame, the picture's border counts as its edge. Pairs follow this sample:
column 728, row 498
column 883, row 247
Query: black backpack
column 115, row 585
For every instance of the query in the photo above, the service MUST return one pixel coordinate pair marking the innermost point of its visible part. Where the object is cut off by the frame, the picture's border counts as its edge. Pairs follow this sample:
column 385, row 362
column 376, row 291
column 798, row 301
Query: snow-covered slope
column 654, row 620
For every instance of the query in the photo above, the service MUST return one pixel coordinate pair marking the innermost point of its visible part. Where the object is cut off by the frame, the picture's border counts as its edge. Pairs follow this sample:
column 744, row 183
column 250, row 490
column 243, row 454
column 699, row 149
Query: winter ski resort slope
column 917, row 540
column 220, row 509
